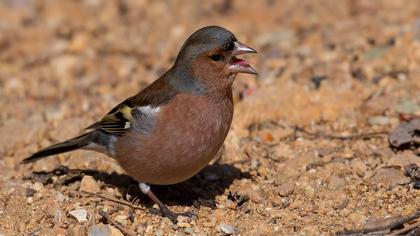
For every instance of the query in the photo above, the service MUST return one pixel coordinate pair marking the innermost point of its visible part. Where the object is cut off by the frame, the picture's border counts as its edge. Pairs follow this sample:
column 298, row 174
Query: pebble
column 30, row 200
column 30, row 192
column 389, row 177
column 89, row 184
column 227, row 229
column 159, row 232
column 407, row 106
column 254, row 164
column 104, row 230
column 182, row 219
column 183, row 224
column 189, row 230
column 378, row 120
column 286, row 189
column 59, row 197
column 57, row 216
column 79, row 214
column 121, row 219
column 37, row 186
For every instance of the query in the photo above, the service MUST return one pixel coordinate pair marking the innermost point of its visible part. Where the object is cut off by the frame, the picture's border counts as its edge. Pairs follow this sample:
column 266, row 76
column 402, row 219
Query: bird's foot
column 165, row 212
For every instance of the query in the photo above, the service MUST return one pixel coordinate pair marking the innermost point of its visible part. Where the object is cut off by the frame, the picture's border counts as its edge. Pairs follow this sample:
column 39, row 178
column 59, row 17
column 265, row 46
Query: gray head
column 209, row 56
column 206, row 39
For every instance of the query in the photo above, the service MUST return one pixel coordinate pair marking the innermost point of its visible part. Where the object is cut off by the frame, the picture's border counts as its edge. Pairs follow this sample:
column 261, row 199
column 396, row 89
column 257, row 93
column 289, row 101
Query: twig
column 405, row 229
column 116, row 200
column 116, row 224
column 392, row 224
column 349, row 137
column 316, row 164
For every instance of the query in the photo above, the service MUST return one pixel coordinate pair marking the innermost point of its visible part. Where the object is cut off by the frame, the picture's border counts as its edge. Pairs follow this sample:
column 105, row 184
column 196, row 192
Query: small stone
column 286, row 189
column 335, row 182
column 189, row 230
column 227, row 229
column 57, row 216
column 378, row 120
column 183, row 224
column 121, row 219
column 79, row 214
column 30, row 200
column 254, row 164
column 389, row 177
column 182, row 219
column 30, row 192
column 159, row 232
column 37, row 186
column 208, row 224
column 104, row 230
column 407, row 106
column 59, row 197
column 89, row 184
column 115, row 231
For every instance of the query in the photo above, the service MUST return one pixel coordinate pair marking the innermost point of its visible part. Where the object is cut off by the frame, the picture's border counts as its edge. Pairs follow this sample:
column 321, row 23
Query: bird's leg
column 166, row 212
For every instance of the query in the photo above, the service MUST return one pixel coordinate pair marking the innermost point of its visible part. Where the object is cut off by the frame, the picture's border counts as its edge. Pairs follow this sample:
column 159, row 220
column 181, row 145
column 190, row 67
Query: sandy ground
column 332, row 67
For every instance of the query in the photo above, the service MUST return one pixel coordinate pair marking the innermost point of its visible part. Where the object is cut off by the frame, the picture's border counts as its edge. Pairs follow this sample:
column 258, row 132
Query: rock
column 378, row 120
column 376, row 52
column 159, row 232
column 254, row 164
column 122, row 219
column 78, row 230
column 30, row 192
column 407, row 106
column 403, row 159
column 183, row 224
column 389, row 177
column 79, row 214
column 89, row 184
column 335, row 182
column 189, row 231
column 227, row 229
column 286, row 189
column 405, row 135
column 37, row 186
column 59, row 197
column 104, row 230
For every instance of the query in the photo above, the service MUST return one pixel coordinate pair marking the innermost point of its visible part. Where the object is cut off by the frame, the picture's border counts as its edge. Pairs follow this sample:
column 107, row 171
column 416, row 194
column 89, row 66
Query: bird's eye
column 216, row 57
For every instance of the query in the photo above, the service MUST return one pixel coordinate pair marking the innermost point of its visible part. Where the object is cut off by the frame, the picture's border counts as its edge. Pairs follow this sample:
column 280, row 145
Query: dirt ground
column 332, row 68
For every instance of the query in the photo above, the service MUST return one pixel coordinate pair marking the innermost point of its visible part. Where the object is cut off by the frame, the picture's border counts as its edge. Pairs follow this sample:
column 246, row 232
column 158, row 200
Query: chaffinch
column 173, row 128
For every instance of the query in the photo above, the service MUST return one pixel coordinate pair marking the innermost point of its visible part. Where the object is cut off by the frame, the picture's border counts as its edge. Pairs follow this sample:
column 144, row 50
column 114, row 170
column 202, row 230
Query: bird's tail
column 66, row 146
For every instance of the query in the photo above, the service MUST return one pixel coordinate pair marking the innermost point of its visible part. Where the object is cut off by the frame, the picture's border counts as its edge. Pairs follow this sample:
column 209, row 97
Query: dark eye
column 216, row 57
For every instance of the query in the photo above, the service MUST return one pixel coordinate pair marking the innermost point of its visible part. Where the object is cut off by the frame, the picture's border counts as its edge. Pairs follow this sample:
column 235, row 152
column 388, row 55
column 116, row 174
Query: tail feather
column 66, row 146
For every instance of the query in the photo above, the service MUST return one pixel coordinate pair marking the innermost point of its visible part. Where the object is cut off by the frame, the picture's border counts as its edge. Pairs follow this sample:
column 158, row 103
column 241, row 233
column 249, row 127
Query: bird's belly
column 175, row 151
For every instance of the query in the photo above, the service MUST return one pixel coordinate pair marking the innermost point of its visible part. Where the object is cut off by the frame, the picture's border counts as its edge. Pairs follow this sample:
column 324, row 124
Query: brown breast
column 186, row 135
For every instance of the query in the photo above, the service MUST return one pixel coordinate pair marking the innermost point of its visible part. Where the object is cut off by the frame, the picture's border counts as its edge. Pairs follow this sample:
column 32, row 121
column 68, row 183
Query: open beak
column 239, row 65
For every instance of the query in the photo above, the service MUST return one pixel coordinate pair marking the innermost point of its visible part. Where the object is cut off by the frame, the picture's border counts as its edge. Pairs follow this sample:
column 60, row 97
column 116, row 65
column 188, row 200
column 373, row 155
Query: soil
column 327, row 70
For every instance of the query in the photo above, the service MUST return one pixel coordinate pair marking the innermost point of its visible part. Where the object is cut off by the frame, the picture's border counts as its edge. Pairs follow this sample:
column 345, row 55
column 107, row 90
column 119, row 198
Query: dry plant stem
column 405, row 229
column 349, row 137
column 112, row 199
column 120, row 227
column 393, row 224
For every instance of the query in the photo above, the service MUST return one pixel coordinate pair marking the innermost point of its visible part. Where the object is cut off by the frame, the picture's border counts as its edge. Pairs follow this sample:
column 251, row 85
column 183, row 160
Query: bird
column 173, row 128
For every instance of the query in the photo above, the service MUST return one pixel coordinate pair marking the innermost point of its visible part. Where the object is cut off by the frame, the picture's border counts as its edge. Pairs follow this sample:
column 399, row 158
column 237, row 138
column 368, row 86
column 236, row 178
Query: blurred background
column 337, row 67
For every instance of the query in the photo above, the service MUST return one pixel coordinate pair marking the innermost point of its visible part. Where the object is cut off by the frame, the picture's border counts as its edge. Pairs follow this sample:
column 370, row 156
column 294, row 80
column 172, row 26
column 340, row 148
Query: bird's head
column 210, row 56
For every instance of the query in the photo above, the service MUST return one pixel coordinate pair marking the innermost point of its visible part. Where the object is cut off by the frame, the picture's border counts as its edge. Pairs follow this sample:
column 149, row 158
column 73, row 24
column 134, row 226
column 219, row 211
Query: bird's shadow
column 200, row 190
